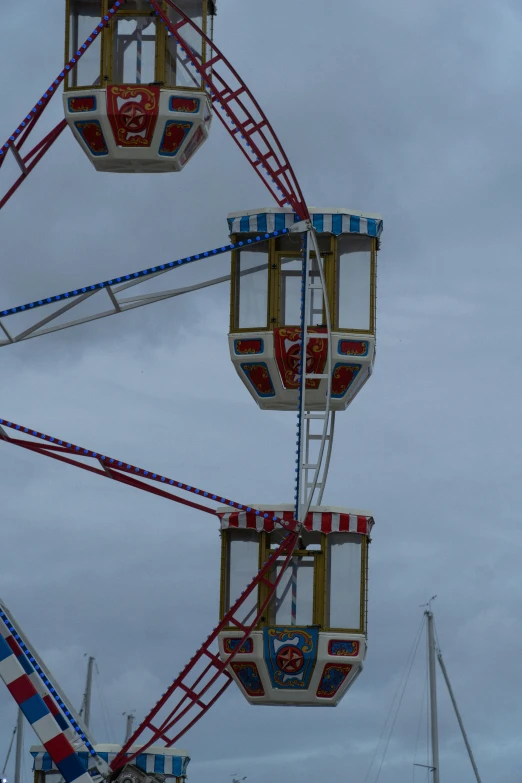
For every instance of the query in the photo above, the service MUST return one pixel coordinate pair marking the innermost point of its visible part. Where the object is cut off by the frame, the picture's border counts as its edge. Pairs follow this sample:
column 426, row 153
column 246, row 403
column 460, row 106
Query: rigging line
column 142, row 274
column 415, row 642
column 398, row 706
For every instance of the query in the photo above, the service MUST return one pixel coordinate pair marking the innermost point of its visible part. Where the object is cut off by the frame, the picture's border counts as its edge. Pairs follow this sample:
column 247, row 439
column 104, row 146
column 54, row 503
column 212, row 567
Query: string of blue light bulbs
column 142, row 273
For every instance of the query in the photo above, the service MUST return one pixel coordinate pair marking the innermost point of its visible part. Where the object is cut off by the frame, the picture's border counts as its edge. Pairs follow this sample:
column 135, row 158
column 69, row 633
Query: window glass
column 84, row 16
column 354, row 284
column 252, row 287
column 134, row 50
column 242, row 560
column 133, row 5
column 51, row 777
column 291, row 279
column 291, row 276
column 297, row 584
column 293, row 243
column 180, row 71
column 344, row 580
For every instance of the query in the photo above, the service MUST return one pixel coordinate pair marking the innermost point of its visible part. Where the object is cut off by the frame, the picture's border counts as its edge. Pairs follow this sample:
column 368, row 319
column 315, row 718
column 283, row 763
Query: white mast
column 86, row 702
column 19, row 746
column 435, row 654
column 13, row 735
column 457, row 713
column 434, row 724
column 130, row 721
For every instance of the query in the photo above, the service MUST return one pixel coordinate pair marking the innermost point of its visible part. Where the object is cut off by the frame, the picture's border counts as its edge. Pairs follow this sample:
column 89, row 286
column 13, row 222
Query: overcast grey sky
column 409, row 108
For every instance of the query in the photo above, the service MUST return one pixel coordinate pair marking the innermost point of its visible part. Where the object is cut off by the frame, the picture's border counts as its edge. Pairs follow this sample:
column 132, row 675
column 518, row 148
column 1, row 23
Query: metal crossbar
column 314, row 430
column 114, row 288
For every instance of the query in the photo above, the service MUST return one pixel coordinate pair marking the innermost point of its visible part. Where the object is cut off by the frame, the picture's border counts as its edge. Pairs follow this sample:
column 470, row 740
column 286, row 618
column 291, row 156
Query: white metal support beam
column 316, row 429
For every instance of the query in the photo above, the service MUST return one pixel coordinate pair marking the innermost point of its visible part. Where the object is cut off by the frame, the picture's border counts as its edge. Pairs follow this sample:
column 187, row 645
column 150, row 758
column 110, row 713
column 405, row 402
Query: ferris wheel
column 142, row 82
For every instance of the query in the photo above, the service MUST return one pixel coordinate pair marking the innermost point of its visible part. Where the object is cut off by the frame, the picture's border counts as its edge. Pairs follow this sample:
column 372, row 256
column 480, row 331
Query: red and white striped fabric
column 320, row 521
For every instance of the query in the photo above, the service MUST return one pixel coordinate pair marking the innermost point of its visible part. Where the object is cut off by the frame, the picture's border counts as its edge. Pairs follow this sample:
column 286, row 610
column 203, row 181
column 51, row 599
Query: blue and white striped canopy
column 340, row 221
column 148, row 762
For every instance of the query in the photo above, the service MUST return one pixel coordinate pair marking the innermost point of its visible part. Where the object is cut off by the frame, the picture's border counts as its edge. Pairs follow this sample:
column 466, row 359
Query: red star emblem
column 290, row 659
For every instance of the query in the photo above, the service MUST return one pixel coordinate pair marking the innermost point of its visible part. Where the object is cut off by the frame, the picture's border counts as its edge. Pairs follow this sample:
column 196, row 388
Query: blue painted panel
column 290, row 654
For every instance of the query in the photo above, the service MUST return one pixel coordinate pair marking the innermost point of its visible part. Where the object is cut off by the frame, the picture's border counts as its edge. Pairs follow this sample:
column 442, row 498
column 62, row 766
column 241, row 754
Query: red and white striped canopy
column 320, row 521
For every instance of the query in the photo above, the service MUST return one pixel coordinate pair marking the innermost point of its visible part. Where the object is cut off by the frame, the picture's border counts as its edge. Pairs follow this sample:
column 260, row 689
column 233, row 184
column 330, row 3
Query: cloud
column 408, row 109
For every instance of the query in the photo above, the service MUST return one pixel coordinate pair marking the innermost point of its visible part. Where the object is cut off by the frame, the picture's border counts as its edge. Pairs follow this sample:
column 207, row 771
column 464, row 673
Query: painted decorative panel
column 334, row 674
column 188, row 105
column 290, row 655
column 342, row 378
column 248, row 675
column 195, row 143
column 82, row 103
column 242, row 347
column 258, row 375
column 231, row 645
column 173, row 137
column 343, row 647
column 353, row 347
column 92, row 135
column 133, row 112
column 287, row 349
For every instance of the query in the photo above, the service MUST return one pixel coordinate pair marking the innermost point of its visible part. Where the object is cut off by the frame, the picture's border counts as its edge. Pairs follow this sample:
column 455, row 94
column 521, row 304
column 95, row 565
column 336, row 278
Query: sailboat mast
column 432, row 657
column 6, row 762
column 87, row 694
column 128, row 730
column 457, row 713
column 19, row 747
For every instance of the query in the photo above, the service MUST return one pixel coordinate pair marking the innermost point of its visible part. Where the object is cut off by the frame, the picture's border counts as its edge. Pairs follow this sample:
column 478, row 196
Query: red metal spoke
column 42, row 146
column 20, row 134
column 189, row 694
column 252, row 132
column 119, row 470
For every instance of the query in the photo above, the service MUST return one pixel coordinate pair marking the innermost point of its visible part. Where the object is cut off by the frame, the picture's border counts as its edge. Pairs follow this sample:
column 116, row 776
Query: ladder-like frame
column 314, row 428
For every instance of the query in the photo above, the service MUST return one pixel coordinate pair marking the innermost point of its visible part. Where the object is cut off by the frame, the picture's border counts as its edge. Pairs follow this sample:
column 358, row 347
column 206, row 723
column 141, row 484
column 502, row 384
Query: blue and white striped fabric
column 324, row 223
column 148, row 762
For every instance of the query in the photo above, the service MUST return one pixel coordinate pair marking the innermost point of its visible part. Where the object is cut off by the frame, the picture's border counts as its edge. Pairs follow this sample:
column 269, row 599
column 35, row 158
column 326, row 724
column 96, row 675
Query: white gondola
column 310, row 646
column 134, row 102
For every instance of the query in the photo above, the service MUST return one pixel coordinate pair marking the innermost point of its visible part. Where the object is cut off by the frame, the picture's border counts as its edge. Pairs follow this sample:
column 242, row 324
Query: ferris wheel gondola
column 135, row 103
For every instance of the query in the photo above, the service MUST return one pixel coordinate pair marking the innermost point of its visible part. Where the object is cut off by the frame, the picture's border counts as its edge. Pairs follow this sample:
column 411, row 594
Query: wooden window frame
column 373, row 290
column 107, row 48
